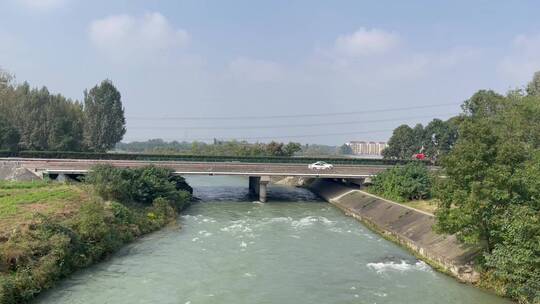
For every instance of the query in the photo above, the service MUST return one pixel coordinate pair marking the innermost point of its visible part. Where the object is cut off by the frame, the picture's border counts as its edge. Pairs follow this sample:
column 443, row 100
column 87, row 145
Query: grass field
column 19, row 201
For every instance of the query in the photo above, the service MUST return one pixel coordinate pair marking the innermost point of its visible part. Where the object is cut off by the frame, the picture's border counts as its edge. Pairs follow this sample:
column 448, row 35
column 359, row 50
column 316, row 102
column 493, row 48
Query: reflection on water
column 294, row 249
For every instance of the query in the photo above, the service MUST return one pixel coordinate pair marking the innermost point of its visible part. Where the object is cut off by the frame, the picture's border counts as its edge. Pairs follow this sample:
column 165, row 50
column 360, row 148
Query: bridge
column 259, row 173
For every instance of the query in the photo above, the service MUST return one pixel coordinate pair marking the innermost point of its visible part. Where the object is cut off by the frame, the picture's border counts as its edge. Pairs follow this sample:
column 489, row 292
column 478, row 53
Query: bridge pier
column 258, row 187
column 263, row 184
column 62, row 178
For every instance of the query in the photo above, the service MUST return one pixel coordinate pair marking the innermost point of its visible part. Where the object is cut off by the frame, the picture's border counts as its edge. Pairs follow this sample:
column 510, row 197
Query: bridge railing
column 198, row 158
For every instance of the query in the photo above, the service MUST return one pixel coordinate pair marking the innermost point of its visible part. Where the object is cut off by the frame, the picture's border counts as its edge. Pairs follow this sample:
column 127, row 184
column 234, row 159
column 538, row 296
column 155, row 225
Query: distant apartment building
column 370, row 148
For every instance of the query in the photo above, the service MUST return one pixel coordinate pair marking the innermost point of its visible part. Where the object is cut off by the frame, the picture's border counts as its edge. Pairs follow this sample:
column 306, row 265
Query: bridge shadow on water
column 220, row 189
column 276, row 194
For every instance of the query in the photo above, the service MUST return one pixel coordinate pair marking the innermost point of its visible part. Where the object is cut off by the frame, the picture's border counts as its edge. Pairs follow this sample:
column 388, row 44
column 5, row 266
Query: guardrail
column 199, row 158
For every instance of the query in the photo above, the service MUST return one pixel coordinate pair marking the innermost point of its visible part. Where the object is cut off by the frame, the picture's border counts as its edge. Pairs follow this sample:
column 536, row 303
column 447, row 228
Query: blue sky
column 178, row 59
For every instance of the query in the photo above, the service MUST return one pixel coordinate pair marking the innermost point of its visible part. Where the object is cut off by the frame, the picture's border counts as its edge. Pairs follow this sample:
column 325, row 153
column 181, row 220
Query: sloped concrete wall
column 14, row 172
column 409, row 227
column 291, row 181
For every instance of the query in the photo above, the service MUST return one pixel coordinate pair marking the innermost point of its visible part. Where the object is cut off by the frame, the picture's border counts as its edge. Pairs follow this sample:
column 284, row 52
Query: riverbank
column 296, row 248
column 407, row 226
column 49, row 230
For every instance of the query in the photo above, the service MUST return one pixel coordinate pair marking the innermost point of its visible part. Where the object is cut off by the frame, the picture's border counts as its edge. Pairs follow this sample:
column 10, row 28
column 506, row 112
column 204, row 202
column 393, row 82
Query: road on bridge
column 73, row 166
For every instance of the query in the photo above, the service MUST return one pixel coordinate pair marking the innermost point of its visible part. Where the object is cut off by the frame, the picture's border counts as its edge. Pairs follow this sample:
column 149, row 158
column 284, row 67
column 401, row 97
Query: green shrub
column 122, row 214
column 403, row 183
column 110, row 183
column 140, row 185
column 37, row 258
column 516, row 258
column 7, row 289
column 161, row 212
column 93, row 225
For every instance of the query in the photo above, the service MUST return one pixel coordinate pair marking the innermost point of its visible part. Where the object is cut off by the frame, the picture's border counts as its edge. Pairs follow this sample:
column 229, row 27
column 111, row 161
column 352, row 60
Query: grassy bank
column 49, row 230
column 19, row 201
column 427, row 205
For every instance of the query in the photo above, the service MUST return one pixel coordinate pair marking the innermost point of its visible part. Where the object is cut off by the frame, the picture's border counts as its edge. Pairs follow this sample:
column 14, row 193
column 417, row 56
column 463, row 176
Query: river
column 294, row 249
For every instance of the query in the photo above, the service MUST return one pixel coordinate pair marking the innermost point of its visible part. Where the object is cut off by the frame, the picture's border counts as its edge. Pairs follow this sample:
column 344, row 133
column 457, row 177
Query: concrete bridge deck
column 258, row 173
column 79, row 166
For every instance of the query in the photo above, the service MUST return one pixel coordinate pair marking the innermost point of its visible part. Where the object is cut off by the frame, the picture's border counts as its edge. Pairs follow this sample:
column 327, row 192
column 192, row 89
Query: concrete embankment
column 291, row 181
column 407, row 226
column 14, row 172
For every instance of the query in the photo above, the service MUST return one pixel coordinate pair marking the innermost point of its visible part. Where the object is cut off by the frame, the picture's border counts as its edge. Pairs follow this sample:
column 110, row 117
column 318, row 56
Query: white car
column 320, row 165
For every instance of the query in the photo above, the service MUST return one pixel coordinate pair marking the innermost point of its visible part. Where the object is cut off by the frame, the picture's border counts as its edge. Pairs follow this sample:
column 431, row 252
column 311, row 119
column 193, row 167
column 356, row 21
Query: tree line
column 488, row 192
column 491, row 194
column 35, row 119
column 438, row 137
column 217, row 148
column 434, row 140
column 232, row 148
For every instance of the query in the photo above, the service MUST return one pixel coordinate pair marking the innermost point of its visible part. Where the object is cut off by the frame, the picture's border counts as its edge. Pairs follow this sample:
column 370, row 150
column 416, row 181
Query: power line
column 287, row 115
column 287, row 125
column 286, row 136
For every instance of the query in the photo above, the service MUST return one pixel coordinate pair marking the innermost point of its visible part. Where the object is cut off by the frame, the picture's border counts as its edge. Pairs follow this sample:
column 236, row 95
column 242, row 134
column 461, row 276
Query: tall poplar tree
column 533, row 88
column 104, row 121
column 9, row 136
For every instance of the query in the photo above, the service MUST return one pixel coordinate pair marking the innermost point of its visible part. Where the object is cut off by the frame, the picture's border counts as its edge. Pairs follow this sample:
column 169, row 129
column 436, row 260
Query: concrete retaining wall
column 407, row 226
column 291, row 181
column 14, row 172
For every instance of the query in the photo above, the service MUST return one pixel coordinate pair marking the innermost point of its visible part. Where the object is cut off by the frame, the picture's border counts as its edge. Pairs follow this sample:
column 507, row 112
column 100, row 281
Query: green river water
column 294, row 249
